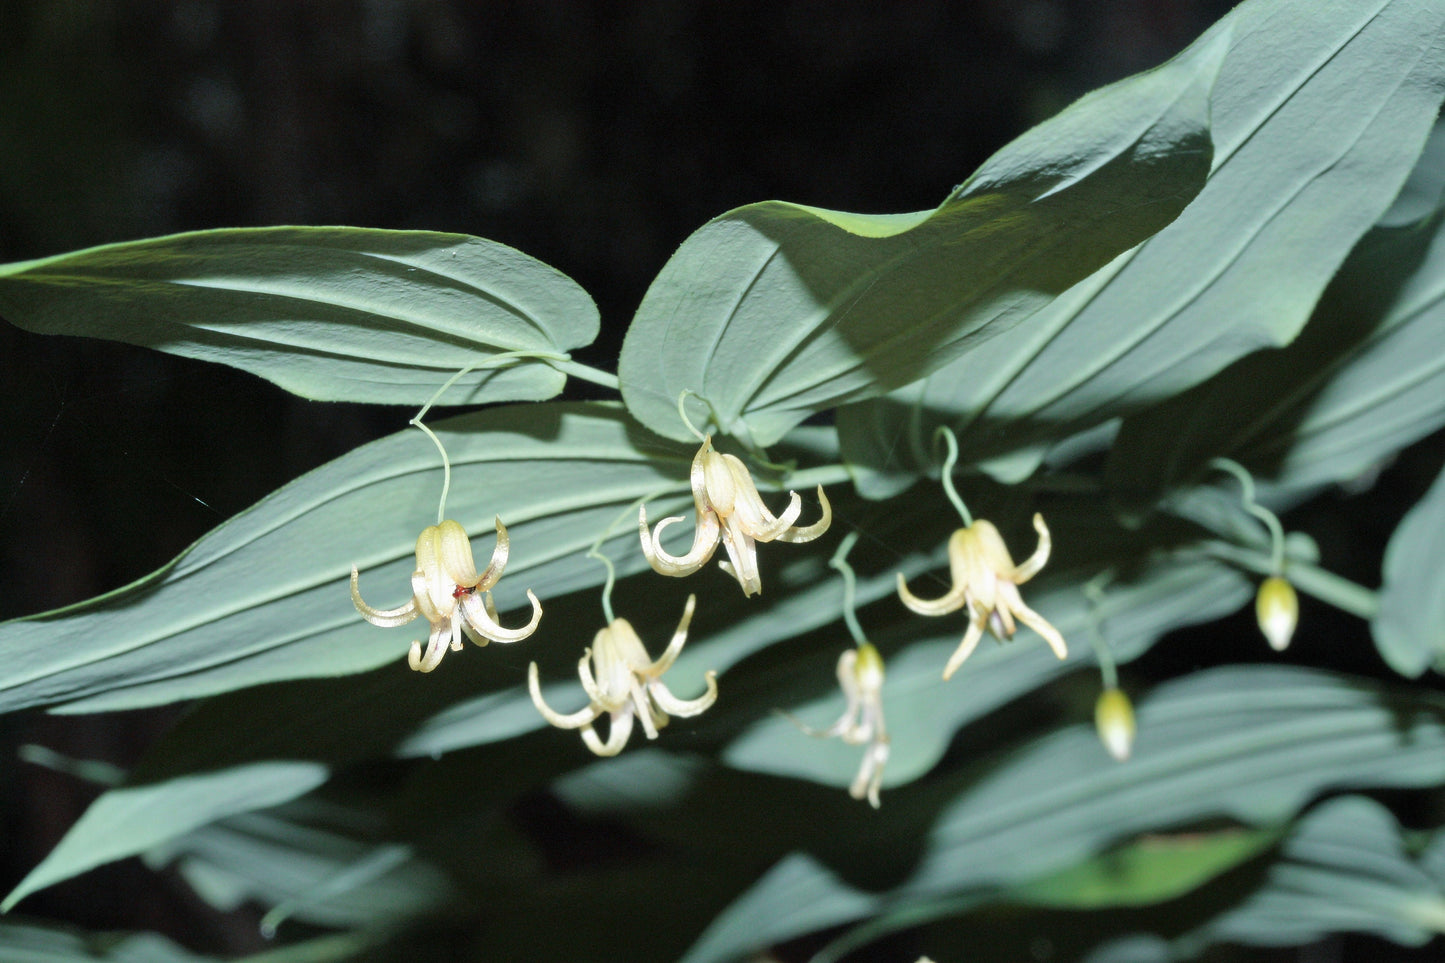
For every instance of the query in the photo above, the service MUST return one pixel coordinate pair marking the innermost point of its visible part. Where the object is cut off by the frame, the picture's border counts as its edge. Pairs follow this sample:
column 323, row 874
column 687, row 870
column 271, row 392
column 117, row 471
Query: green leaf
column 1318, row 116
column 1363, row 380
column 1344, row 870
column 329, row 313
column 1151, row 869
column 1409, row 628
column 1252, row 743
column 132, row 819
column 775, row 311
column 264, row 596
column 309, row 873
column 29, row 943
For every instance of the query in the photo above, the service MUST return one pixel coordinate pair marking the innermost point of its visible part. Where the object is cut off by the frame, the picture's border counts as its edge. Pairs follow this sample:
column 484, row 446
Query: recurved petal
column 500, row 553
column 436, row 647
column 1011, row 601
column 704, row 543
column 1040, row 557
column 386, row 618
column 966, row 647
column 669, row 655
column 950, row 602
column 484, row 621
column 616, row 736
column 570, row 720
column 809, row 532
column 683, row 708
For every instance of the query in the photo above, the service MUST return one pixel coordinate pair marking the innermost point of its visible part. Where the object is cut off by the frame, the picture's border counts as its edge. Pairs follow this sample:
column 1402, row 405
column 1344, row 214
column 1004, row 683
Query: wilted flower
column 860, row 674
column 622, row 682
column 986, row 580
column 729, row 508
column 449, row 593
column 1114, row 721
column 1277, row 608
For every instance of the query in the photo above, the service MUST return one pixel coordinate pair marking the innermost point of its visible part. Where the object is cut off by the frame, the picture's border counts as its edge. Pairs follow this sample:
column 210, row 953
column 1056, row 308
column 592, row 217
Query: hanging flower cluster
column 730, row 510
column 452, row 596
column 986, row 581
column 624, row 684
column 860, row 676
column 619, row 678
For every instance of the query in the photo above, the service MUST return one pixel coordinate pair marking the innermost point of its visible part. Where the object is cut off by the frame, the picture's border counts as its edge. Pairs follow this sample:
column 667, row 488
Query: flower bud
column 1277, row 608
column 1114, row 720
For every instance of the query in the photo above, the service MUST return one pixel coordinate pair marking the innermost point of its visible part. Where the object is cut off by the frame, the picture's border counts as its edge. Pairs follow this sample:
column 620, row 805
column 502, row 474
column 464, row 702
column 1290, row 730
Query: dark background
column 593, row 136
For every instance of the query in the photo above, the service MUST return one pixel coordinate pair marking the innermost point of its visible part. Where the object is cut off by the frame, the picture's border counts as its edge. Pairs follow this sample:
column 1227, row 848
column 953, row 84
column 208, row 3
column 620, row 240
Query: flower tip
column 1277, row 609
column 1114, row 721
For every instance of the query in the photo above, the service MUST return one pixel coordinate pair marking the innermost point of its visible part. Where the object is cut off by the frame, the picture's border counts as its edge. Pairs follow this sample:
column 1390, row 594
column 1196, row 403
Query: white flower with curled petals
column 860, row 675
column 730, row 510
column 623, row 683
column 986, row 580
column 450, row 594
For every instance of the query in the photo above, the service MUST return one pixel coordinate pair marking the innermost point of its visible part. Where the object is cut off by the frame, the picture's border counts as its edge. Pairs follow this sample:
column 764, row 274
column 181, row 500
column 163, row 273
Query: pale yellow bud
column 1114, row 720
column 1277, row 608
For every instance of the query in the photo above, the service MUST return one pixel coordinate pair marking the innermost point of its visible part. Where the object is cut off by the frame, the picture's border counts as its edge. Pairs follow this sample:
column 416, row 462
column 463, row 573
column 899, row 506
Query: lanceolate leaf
column 1344, row 869
column 1253, row 743
column 330, row 313
column 774, row 311
column 264, row 596
column 1317, row 117
column 1363, row 380
column 132, row 819
column 29, row 943
column 1410, row 627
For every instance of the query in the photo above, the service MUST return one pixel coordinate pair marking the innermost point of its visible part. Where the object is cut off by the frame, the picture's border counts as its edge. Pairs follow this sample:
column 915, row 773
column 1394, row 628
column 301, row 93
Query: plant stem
column 582, row 372
column 1324, row 585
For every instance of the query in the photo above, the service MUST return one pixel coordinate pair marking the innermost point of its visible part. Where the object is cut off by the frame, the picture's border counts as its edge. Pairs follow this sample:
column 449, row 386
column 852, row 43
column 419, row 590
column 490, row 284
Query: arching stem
column 839, row 561
column 951, row 459
column 1270, row 520
column 1094, row 592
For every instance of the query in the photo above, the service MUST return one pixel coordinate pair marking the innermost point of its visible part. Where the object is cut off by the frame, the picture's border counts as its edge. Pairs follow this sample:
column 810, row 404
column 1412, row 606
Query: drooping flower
column 1277, row 609
column 449, row 593
column 1114, row 721
column 623, row 683
column 986, row 580
column 860, row 675
column 729, row 510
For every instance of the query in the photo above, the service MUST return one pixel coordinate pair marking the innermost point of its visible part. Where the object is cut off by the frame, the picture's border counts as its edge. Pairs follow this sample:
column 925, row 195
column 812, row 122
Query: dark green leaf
column 774, row 311
column 330, row 313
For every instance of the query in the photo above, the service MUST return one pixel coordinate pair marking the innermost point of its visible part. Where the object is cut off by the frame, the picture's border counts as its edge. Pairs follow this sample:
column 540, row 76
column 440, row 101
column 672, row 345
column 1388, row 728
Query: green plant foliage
column 1306, row 157
column 1410, row 626
column 1251, row 743
column 775, row 311
column 1148, row 870
column 1169, row 594
column 28, row 943
column 1086, row 313
column 1344, row 869
column 330, row 313
column 305, row 872
column 1363, row 381
column 264, row 596
column 131, row 819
